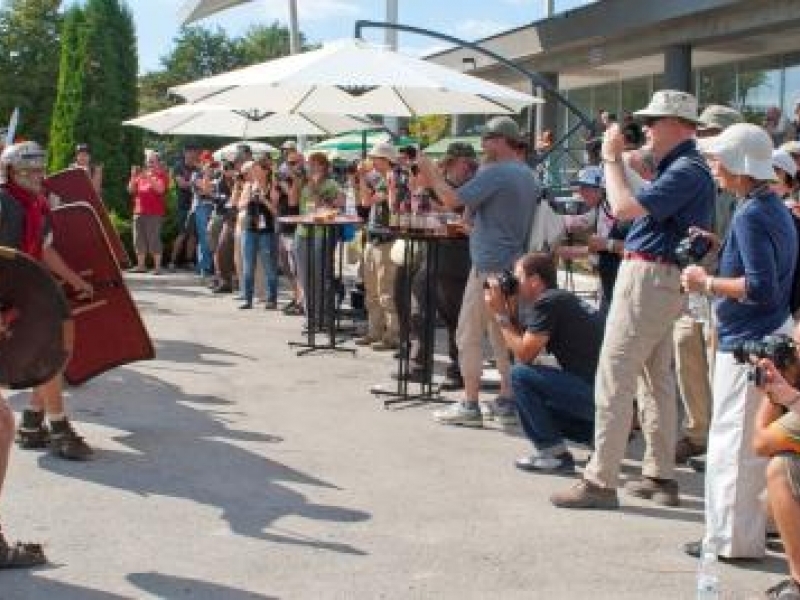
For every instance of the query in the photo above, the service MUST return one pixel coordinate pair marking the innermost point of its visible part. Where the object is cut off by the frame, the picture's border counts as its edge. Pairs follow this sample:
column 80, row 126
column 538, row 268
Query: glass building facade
column 750, row 86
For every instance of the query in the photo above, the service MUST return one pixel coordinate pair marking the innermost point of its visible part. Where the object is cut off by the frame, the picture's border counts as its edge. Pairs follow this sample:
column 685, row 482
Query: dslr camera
column 780, row 349
column 507, row 282
column 692, row 249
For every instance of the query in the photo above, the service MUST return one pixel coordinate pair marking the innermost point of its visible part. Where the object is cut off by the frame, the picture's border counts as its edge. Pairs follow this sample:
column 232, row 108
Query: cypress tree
column 97, row 92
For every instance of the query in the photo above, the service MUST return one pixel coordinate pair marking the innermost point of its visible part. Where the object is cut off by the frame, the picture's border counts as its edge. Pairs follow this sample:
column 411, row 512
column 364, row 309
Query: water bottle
column 350, row 202
column 708, row 573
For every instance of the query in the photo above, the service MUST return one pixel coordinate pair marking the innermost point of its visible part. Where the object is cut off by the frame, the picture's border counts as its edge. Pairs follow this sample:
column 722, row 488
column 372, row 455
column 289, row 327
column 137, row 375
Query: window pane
column 635, row 94
column 759, row 88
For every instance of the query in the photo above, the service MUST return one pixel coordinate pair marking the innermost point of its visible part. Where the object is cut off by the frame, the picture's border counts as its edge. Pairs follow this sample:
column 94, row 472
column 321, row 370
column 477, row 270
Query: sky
column 157, row 21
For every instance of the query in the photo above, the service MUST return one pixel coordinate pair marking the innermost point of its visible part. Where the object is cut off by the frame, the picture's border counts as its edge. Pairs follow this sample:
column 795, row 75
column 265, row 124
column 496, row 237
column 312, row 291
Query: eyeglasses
column 651, row 121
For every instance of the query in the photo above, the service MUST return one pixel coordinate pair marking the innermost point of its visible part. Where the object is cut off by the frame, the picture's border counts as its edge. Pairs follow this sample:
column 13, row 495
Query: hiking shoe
column 788, row 589
column 563, row 464
column 20, row 555
column 65, row 443
column 32, row 433
column 501, row 410
column 586, row 495
column 686, row 449
column 663, row 492
column 384, row 346
column 460, row 413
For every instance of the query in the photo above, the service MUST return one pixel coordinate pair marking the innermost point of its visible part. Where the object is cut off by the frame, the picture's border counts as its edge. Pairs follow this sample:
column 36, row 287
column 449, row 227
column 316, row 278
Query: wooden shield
column 37, row 333
column 109, row 331
column 74, row 185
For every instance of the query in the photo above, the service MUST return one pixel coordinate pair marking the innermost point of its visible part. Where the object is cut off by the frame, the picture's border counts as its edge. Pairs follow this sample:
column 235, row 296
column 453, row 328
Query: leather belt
column 647, row 257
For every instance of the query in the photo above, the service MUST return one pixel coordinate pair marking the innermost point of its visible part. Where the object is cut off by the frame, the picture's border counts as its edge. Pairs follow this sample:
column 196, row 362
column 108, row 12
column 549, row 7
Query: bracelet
column 502, row 320
column 609, row 245
column 709, row 285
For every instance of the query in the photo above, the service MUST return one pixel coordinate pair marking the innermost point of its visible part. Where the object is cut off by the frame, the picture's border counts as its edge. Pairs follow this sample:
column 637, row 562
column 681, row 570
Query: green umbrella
column 438, row 149
column 353, row 145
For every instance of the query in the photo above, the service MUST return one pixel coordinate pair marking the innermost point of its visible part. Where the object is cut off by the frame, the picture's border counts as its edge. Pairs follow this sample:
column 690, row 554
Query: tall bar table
column 417, row 242
column 329, row 230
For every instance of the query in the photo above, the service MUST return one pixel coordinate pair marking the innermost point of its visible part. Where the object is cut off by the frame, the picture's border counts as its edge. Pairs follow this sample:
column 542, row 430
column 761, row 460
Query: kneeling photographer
column 534, row 315
column 777, row 438
column 751, row 301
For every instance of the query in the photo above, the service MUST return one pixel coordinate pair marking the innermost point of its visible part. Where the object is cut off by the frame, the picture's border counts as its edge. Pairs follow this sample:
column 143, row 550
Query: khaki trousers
column 693, row 372
column 638, row 342
column 474, row 322
column 379, row 279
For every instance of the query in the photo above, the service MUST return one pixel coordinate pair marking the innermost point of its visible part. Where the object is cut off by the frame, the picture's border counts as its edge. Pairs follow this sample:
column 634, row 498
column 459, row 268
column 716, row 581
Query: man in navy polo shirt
column 647, row 301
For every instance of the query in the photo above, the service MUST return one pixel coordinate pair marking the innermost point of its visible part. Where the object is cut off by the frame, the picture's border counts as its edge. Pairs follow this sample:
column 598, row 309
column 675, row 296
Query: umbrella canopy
column 222, row 121
column 230, row 151
column 438, row 149
column 353, row 77
column 351, row 146
column 194, row 10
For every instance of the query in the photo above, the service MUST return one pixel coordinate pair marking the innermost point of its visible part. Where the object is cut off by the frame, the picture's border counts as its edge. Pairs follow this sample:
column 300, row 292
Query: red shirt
column 146, row 200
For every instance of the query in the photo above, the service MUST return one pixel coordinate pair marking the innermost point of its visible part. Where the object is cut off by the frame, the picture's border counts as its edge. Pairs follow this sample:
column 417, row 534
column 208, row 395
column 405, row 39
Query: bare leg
column 786, row 512
column 6, row 437
column 49, row 396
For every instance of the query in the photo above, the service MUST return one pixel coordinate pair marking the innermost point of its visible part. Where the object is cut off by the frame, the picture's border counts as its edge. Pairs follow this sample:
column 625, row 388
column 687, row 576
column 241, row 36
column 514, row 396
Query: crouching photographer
column 777, row 438
column 554, row 404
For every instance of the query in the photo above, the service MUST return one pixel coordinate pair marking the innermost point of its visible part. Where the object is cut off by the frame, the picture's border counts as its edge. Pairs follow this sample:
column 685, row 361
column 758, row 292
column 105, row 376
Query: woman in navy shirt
column 751, row 300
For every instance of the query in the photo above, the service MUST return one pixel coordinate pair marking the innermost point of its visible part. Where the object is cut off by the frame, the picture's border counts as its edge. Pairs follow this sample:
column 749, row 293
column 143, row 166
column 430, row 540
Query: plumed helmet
column 23, row 155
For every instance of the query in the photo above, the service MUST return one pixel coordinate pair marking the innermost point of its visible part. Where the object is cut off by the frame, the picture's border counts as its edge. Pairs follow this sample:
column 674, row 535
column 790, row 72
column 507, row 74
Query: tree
column 97, row 91
column 29, row 47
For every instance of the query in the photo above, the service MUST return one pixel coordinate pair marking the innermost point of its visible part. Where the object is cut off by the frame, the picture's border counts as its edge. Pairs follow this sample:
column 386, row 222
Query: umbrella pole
column 534, row 78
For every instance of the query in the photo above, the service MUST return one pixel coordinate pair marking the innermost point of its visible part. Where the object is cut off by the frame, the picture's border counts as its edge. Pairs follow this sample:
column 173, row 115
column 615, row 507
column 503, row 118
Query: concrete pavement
column 231, row 468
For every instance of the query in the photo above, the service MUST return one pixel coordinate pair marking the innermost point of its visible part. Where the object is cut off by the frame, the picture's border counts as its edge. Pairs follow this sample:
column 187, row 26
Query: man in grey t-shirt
column 501, row 199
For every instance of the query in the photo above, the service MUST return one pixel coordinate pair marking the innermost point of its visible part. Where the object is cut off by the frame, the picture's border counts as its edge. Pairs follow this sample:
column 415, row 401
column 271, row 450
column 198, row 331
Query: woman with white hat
column 751, row 300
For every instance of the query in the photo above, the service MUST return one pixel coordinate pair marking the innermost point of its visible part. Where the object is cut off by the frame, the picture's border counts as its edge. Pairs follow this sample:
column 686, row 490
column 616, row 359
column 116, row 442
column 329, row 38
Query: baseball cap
column 502, row 126
column 81, row 148
column 782, row 160
column 460, row 150
column 591, row 176
column 792, row 147
column 717, row 116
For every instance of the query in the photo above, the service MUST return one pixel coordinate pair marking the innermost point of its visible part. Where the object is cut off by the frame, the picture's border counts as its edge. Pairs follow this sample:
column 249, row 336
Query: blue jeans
column 263, row 244
column 205, row 262
column 553, row 405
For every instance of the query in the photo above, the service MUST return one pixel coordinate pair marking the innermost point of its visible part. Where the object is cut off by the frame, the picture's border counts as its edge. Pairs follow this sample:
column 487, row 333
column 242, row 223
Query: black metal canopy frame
column 532, row 76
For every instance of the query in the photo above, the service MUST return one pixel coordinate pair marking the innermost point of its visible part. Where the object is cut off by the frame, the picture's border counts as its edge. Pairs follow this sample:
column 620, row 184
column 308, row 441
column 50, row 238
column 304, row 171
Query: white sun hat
column 743, row 149
column 671, row 103
column 782, row 160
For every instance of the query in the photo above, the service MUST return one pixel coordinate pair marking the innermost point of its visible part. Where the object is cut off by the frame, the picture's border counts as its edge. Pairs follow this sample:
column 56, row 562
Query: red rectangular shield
column 109, row 331
column 74, row 185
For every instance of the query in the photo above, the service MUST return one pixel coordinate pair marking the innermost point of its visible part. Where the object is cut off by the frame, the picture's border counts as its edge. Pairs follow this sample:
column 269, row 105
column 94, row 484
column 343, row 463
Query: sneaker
column 563, row 464
column 697, row 463
column 32, row 433
column 460, row 413
column 500, row 410
column 367, row 340
column 222, row 289
column 586, row 495
column 686, row 449
column 137, row 270
column 663, row 492
column 246, row 306
column 65, row 443
column 788, row 589
column 20, row 555
column 695, row 550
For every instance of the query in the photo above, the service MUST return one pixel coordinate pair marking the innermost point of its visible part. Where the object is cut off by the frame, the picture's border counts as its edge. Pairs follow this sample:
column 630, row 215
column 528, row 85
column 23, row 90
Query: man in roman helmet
column 25, row 225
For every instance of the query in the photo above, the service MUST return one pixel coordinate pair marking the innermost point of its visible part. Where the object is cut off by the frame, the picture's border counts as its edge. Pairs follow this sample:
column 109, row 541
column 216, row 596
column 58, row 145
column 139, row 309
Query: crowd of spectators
column 690, row 222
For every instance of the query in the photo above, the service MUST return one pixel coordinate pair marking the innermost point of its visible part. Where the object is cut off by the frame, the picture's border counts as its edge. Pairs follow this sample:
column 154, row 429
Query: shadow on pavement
column 177, row 450
column 169, row 587
column 18, row 585
column 180, row 351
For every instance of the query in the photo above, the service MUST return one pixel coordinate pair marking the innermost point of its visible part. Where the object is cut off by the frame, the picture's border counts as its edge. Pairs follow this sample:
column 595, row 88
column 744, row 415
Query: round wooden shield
column 35, row 337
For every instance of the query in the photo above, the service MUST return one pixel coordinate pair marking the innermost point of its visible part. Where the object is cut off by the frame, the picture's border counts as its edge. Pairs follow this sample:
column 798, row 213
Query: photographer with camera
column 777, row 439
column 751, row 300
column 553, row 403
column 647, row 300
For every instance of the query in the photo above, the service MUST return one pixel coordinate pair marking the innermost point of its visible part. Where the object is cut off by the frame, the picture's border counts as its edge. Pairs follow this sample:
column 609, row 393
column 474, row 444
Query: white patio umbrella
column 194, row 10
column 230, row 151
column 353, row 77
column 223, row 121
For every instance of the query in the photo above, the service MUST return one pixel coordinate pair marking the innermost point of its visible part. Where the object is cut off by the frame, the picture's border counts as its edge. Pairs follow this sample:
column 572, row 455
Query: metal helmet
column 23, row 155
